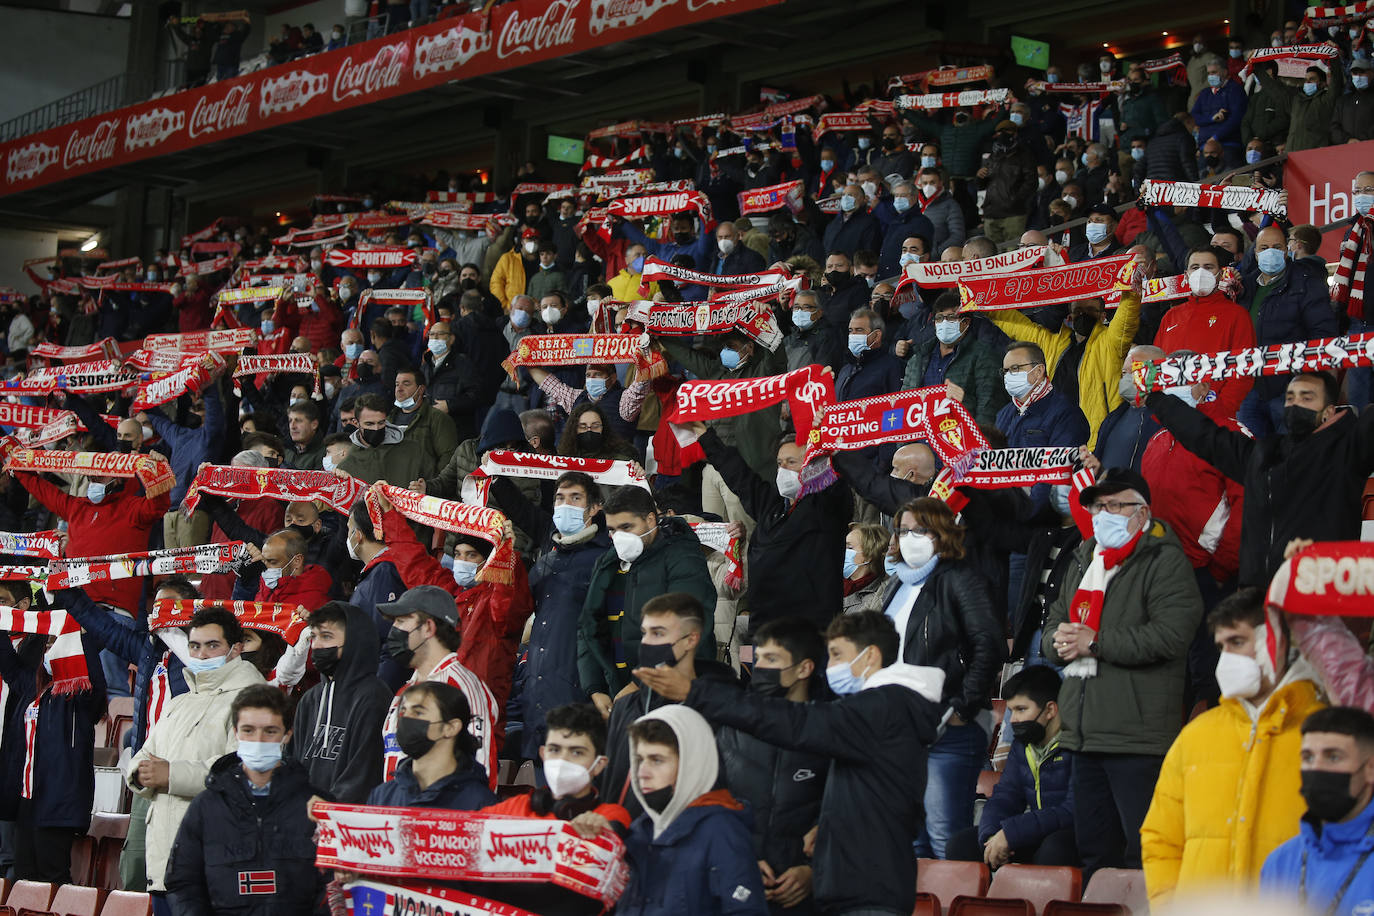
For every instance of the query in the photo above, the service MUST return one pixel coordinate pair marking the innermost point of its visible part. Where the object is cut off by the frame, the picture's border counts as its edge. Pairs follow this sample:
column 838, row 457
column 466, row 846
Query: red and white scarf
column 1161, row 64
column 843, row 121
column 789, row 194
column 406, row 298
column 292, row 363
column 947, row 274
column 927, row 414
column 657, row 269
column 64, row 426
column 152, row 471
column 104, row 349
column 717, row 536
column 575, row 350
column 286, row 484
column 606, row 472
column 370, row 258
column 65, row 655
column 640, row 153
column 201, row 559
column 47, row 544
column 966, row 99
column 1086, row 607
column 226, row 297
column 1311, row 53
column 459, row 518
column 1040, row 391
column 1325, row 354
column 286, row 620
column 1356, row 248
column 1026, row 289
column 632, row 208
column 229, row 341
column 1157, row 192
column 158, row 388
column 366, row 897
column 103, row 376
column 159, row 690
column 807, row 390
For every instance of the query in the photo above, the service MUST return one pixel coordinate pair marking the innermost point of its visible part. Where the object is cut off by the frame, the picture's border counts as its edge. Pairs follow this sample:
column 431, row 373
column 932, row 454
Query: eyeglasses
column 1111, row 505
column 903, row 532
column 1019, row 367
column 1364, row 190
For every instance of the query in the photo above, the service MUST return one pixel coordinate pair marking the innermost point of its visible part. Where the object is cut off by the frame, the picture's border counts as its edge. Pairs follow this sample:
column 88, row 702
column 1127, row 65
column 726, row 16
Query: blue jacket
column 1052, row 420
column 1229, row 96
column 189, row 446
column 462, row 790
column 1330, row 853
column 380, row 583
column 860, row 231
column 872, row 373
column 1298, row 307
column 1028, row 809
column 702, row 864
column 64, row 755
column 900, row 228
column 134, row 645
column 743, row 260
column 699, row 249
column 1123, row 435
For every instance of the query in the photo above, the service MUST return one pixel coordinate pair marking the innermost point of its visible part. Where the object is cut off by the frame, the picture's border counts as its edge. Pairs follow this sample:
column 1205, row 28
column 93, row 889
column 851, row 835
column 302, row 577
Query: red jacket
column 119, row 524
column 1198, row 501
column 193, row 310
column 1208, row 325
column 493, row 615
column 323, row 327
column 310, row 589
column 521, row 806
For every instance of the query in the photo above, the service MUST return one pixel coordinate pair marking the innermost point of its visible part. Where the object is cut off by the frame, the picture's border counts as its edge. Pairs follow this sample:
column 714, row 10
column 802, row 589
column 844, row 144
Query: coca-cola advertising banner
column 511, row 35
column 1319, row 183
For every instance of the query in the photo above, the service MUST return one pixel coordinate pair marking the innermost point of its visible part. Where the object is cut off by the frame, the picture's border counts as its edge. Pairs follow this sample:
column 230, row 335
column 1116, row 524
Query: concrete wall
column 90, row 49
column 19, row 245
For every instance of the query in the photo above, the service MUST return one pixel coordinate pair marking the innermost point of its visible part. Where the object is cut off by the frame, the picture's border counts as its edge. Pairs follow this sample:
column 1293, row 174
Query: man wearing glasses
column 1121, row 626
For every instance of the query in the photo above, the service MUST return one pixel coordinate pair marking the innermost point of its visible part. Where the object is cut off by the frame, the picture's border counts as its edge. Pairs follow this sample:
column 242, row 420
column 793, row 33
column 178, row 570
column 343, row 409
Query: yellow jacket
column 625, row 286
column 1228, row 793
column 508, row 279
column 1099, row 371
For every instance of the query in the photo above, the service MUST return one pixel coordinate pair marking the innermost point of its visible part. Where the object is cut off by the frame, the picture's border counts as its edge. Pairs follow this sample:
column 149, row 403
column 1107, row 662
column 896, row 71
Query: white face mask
column 1238, row 676
column 629, row 547
column 464, row 572
column 789, row 483
column 352, row 547
column 1202, row 281
column 566, row 778
column 1061, row 176
column 550, row 315
column 726, row 246
column 916, row 549
column 1183, row 392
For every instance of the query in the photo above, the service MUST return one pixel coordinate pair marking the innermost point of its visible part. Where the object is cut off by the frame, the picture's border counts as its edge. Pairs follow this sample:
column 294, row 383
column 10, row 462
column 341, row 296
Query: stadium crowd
column 407, row 531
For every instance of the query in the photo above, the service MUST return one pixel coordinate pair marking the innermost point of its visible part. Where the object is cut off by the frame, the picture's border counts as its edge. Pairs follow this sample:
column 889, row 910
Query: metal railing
column 104, row 96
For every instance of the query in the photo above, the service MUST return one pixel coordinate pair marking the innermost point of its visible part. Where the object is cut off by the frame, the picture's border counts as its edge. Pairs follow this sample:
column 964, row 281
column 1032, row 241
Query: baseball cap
column 427, row 599
column 1116, row 480
column 1103, row 210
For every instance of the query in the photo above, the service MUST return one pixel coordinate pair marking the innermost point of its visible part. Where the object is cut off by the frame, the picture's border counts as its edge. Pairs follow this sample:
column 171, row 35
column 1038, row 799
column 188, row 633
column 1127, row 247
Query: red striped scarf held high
column 1348, row 289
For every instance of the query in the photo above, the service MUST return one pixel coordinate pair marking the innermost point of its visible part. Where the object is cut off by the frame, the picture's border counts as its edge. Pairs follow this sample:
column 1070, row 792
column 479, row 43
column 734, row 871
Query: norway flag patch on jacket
column 257, row 882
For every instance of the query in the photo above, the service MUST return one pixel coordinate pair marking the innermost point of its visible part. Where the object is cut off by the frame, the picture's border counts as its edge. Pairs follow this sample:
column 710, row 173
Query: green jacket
column 961, row 148
column 1267, row 117
column 672, row 563
column 1149, row 616
column 397, row 460
column 755, row 434
column 432, row 432
column 1142, row 114
column 975, row 368
column 1309, row 125
column 308, row 458
column 543, row 282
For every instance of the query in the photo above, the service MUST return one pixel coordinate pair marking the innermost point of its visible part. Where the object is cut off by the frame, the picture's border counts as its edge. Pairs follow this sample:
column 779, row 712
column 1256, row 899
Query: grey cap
column 427, row 599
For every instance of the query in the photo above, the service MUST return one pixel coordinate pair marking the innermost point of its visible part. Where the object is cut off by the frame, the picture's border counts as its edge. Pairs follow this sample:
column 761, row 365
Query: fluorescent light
column 91, row 243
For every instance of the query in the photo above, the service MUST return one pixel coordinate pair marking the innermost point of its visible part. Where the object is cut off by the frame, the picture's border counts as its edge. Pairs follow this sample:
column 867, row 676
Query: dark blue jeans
column 1111, row 795
column 951, row 784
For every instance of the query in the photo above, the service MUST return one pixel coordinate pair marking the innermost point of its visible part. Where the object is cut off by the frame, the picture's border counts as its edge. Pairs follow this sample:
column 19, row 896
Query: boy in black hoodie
column 337, row 732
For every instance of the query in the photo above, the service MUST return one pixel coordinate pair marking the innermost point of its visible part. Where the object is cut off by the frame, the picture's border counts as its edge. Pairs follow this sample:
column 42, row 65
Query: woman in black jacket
column 943, row 612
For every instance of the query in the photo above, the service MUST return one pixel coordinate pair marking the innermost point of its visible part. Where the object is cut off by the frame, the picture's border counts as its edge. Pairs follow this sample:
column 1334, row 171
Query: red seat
column 74, row 900
column 926, row 905
column 83, row 856
column 990, row 906
column 987, row 781
column 119, row 717
column 28, row 895
column 4, row 888
column 108, row 831
column 127, row 903
column 1038, row 884
column 944, row 881
column 1125, row 886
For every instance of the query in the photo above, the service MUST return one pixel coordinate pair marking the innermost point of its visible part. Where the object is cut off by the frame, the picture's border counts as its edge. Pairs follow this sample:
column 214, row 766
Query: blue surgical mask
column 637, row 265
column 1252, row 156
column 1084, row 159
column 438, row 347
column 1018, row 118
column 1096, row 232
column 842, row 679
column 407, row 404
column 802, row 319
column 1137, row 153
column 1359, row 81
column 520, row 318
column 464, row 572
column 1111, row 530
column 947, row 332
column 850, row 567
column 260, row 756
column 928, row 162
column 849, row 203
column 1051, row 77
column 890, row 566
column 95, row 492
column 729, row 357
column 268, row 326
column 327, row 463
column 1363, row 203
column 271, row 577
column 1214, row 80
column 901, row 204
column 1309, row 88
column 568, row 519
column 353, row 350
column 865, row 142
column 858, row 343
column 206, row 665
column 1236, row 53
column 909, row 257
column 596, row 387
column 1017, row 384
column 1271, row 260
column 1184, row 393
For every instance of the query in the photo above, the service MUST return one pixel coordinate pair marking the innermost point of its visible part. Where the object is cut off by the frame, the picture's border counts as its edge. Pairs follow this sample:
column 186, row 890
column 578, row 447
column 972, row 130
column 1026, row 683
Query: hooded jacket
column 193, row 733
column 465, row 789
column 1033, row 799
column 228, row 831
column 1330, row 852
column 694, row 856
column 398, row 457
column 1229, row 791
column 1284, row 497
column 1150, row 611
column 337, row 731
column 874, row 799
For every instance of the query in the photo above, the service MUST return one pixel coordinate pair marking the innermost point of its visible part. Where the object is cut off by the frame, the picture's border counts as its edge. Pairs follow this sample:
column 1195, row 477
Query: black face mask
column 658, row 799
column 767, row 682
column 124, row 446
column 1136, row 88
column 889, row 142
column 253, row 658
column 838, row 279
column 682, row 238
column 1083, row 325
column 305, row 531
column 468, row 283
column 1301, row 421
column 397, row 646
column 590, row 441
column 1213, row 161
column 655, row 655
column 325, row 659
column 1031, row 732
column 1327, row 794
column 783, row 240
column 373, row 437
column 365, row 372
column 412, row 735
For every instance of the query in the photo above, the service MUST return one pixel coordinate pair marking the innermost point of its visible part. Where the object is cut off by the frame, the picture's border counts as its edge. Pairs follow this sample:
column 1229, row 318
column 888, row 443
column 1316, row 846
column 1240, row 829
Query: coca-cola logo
column 152, row 127
column 29, row 161
column 619, row 14
column 377, row 74
column 289, row 92
column 88, row 148
column 450, row 48
column 555, row 27
column 225, row 114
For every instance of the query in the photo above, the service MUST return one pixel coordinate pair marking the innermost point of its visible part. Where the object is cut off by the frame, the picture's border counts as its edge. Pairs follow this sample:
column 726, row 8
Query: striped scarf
column 1350, row 272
